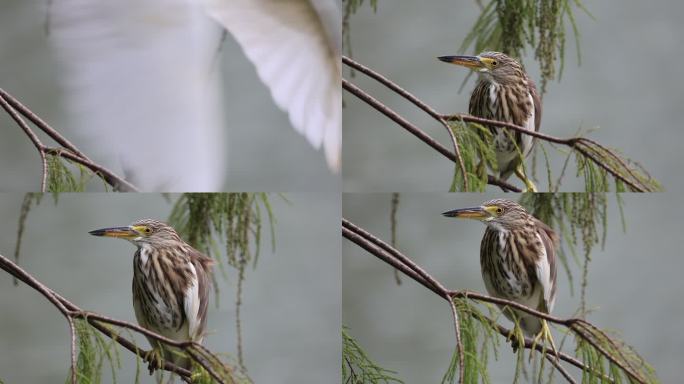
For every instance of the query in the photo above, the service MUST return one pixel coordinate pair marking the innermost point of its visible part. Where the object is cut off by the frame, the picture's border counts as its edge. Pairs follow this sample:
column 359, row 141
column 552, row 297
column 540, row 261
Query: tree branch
column 413, row 129
column 207, row 359
column 586, row 147
column 67, row 150
column 408, row 96
column 583, row 329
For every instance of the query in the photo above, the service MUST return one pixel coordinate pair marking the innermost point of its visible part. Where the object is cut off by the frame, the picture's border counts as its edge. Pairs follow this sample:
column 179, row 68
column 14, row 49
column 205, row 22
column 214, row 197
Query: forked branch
column 66, row 149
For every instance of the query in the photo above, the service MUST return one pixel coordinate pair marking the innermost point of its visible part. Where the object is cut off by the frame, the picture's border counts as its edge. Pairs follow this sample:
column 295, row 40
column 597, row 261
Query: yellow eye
column 147, row 230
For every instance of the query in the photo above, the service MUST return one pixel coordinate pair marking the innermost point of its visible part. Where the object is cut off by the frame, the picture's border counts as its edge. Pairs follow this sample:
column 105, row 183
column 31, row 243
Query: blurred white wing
column 296, row 57
column 139, row 84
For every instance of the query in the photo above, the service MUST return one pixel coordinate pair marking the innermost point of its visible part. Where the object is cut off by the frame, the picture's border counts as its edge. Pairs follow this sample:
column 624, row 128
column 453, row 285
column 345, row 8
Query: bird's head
column 498, row 213
column 493, row 65
column 145, row 231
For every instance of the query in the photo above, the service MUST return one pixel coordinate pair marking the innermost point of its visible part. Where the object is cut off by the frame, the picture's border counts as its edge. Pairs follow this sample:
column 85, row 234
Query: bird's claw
column 544, row 335
column 154, row 360
column 515, row 344
column 529, row 185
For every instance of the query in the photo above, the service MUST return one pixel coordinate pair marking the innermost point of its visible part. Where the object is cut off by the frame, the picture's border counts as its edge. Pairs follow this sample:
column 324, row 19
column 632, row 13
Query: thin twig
column 413, row 129
column 560, row 368
column 72, row 335
column 393, row 227
column 68, row 150
column 417, row 102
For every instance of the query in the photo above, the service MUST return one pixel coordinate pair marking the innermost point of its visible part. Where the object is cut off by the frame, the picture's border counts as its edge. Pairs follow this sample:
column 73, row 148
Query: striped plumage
column 504, row 92
column 171, row 282
column 517, row 258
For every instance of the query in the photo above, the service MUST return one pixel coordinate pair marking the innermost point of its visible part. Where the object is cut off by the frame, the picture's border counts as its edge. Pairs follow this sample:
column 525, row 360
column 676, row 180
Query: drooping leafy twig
column 54, row 172
column 350, row 8
column 510, row 26
column 358, row 368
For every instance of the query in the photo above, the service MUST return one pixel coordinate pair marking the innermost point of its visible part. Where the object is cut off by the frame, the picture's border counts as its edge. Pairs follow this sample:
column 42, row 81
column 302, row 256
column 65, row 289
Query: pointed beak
column 478, row 213
column 472, row 62
column 120, row 232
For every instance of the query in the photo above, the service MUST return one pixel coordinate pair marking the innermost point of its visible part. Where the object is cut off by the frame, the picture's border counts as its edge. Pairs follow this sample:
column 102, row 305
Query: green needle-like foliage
column 94, row 351
column 479, row 338
column 511, row 26
column 476, row 142
column 358, row 368
column 350, row 8
column 603, row 370
column 479, row 335
column 62, row 179
column 206, row 219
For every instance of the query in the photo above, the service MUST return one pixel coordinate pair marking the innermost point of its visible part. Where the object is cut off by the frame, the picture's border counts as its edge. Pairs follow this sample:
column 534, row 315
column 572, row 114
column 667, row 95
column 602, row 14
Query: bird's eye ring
column 494, row 63
column 499, row 210
column 147, row 230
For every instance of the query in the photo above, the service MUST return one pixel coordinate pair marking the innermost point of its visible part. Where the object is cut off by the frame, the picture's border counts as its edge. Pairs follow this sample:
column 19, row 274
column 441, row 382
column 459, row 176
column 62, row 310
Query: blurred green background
column 628, row 86
column 634, row 286
column 291, row 306
column 29, row 71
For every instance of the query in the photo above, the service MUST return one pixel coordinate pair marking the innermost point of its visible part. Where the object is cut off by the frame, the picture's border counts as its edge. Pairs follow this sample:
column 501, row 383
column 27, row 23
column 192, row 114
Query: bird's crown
column 150, row 228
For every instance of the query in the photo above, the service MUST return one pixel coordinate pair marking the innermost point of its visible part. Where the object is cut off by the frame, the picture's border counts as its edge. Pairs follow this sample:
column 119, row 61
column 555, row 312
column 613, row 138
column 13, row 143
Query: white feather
column 139, row 88
column 543, row 270
column 191, row 304
column 286, row 41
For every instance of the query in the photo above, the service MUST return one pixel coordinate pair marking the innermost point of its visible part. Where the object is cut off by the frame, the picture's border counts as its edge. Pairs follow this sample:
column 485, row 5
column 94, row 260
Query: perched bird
column 171, row 282
column 518, row 260
column 142, row 87
column 504, row 92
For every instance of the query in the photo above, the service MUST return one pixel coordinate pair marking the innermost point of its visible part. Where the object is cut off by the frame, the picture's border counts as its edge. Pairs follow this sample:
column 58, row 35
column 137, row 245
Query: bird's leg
column 528, row 183
column 154, row 359
column 544, row 335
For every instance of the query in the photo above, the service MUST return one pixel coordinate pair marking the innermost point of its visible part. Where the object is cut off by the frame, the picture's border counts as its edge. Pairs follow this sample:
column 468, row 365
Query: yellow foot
column 530, row 187
column 544, row 335
column 154, row 360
